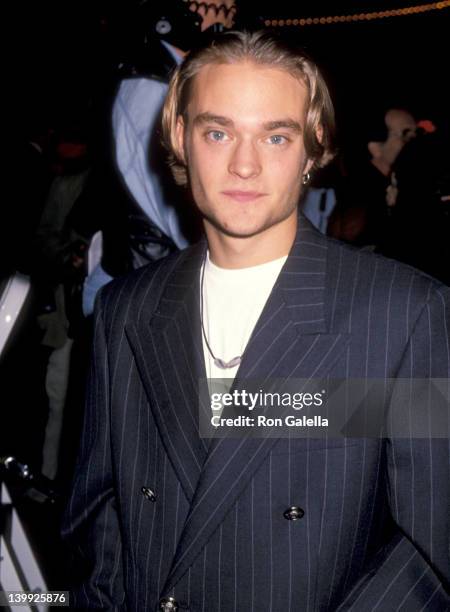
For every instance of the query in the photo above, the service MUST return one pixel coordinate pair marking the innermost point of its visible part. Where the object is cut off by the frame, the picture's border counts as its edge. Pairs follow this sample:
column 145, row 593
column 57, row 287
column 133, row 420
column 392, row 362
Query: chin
column 242, row 229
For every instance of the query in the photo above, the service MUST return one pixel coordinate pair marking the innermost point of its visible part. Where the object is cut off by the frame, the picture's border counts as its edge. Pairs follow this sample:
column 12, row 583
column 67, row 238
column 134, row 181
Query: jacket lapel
column 290, row 340
column 169, row 357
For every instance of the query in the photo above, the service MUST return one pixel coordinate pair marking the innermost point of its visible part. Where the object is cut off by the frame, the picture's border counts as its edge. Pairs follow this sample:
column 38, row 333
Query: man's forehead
column 245, row 89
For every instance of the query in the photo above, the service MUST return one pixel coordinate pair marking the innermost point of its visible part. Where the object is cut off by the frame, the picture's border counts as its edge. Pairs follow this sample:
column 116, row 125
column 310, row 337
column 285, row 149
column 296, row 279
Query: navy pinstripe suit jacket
column 375, row 530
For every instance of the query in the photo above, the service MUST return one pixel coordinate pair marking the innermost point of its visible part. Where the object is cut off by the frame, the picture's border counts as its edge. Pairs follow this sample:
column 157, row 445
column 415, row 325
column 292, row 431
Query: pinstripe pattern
column 375, row 534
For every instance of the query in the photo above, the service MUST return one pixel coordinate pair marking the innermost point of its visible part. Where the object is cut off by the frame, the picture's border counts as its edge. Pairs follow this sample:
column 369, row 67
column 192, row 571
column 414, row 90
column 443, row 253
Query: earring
column 306, row 178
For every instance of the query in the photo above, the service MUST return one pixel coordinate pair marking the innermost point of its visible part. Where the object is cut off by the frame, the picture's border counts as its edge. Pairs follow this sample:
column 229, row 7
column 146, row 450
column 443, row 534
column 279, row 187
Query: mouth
column 243, row 196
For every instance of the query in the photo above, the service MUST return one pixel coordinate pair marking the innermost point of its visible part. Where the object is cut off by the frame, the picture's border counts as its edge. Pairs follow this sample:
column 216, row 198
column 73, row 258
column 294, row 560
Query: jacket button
column 168, row 604
column 148, row 493
column 293, row 513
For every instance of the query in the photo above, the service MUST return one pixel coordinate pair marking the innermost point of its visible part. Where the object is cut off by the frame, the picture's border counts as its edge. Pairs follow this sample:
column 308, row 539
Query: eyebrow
column 210, row 118
column 269, row 126
column 287, row 124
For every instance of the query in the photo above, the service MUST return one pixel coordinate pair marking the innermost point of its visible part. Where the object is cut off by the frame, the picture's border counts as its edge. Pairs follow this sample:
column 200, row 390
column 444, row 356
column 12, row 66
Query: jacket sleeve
column 90, row 525
column 412, row 573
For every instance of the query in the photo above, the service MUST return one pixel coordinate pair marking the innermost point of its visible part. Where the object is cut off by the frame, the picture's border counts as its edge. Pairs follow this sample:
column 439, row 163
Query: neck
column 234, row 252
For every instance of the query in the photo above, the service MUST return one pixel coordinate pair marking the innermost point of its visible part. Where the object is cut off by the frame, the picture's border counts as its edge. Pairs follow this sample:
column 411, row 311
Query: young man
column 166, row 520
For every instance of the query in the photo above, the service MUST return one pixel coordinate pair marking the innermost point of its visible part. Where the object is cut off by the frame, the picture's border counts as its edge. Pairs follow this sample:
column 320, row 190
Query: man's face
column 243, row 145
column 400, row 124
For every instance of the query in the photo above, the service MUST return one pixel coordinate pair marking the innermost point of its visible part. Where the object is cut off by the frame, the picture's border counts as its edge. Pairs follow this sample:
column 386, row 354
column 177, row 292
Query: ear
column 310, row 162
column 308, row 166
column 319, row 133
column 179, row 137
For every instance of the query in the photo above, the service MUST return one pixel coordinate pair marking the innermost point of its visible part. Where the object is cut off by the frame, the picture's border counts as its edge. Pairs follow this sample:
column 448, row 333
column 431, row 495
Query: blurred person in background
column 157, row 219
column 57, row 271
column 363, row 206
column 418, row 225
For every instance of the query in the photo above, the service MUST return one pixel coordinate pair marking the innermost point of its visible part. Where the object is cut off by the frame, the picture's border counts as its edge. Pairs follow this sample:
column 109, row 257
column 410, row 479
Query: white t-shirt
column 232, row 303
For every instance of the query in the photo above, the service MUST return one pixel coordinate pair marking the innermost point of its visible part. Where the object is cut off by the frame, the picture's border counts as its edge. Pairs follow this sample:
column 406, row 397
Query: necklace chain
column 220, row 363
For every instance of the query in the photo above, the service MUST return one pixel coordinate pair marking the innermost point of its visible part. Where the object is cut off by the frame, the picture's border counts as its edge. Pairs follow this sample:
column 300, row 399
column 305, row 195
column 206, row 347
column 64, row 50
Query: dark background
column 68, row 50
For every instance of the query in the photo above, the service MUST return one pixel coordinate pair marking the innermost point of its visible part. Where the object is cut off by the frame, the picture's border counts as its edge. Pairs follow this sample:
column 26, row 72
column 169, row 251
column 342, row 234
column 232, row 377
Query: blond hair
column 264, row 49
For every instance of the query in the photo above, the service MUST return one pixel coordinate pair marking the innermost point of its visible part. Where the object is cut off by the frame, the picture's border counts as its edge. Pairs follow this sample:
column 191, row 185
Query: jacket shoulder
column 357, row 276
column 368, row 262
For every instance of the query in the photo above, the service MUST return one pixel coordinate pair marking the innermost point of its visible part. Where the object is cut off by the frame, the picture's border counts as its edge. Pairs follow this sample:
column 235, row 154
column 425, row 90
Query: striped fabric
column 375, row 530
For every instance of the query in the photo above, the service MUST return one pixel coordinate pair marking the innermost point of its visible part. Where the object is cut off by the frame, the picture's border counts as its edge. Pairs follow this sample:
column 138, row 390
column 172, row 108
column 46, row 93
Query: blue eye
column 277, row 139
column 216, row 135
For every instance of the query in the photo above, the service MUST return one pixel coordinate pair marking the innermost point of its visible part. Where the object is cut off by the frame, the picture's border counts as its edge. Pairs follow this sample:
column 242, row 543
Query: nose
column 244, row 161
